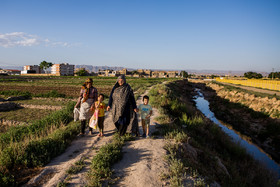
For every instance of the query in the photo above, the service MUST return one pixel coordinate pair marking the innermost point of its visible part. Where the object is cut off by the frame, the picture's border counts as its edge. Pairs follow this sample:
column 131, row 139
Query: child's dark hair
column 102, row 95
column 145, row 97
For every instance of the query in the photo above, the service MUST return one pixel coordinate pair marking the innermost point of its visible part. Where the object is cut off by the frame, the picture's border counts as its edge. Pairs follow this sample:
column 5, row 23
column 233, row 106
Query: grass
column 34, row 145
column 37, row 152
column 25, row 114
column 44, row 101
column 78, row 166
column 105, row 158
column 51, row 93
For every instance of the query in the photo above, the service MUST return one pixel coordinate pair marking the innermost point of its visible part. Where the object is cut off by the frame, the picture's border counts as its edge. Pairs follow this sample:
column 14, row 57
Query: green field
column 48, row 132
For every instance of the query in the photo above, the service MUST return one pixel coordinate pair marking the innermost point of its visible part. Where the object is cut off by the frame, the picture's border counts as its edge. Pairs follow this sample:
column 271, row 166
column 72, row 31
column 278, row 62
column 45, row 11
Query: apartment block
column 32, row 69
column 62, row 69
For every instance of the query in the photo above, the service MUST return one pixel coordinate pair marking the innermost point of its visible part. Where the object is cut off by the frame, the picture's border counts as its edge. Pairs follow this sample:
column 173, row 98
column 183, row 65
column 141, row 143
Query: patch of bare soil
column 142, row 163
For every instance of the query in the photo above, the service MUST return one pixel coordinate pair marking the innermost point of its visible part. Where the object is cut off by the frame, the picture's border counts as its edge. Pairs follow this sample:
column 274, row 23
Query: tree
column 82, row 72
column 274, row 75
column 134, row 72
column 45, row 65
column 184, row 74
column 253, row 75
column 213, row 76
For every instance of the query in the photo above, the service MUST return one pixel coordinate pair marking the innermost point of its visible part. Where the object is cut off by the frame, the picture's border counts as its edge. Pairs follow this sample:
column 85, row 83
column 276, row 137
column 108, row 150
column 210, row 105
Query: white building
column 32, row 68
column 62, row 69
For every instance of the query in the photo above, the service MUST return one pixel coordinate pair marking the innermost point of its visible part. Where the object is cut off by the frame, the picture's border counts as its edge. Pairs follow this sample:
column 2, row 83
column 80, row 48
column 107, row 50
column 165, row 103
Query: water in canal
column 255, row 151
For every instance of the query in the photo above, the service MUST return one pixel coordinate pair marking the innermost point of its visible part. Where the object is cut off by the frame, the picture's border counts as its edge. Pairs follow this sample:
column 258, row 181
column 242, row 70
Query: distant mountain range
column 12, row 67
column 95, row 69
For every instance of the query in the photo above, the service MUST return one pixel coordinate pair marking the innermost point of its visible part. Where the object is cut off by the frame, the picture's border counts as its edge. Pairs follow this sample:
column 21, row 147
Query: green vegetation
column 25, row 114
column 26, row 147
column 74, row 169
column 253, row 75
column 45, row 65
column 199, row 148
column 36, row 144
column 69, row 85
column 44, row 101
column 274, row 75
column 105, row 158
column 52, row 93
column 15, row 93
column 82, row 72
column 184, row 74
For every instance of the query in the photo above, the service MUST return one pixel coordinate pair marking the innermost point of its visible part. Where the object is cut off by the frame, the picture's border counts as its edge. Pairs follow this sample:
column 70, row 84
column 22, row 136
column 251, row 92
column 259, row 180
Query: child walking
column 145, row 111
column 100, row 106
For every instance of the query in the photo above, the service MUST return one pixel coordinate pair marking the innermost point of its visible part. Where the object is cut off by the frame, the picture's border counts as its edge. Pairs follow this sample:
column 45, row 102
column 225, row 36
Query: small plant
column 77, row 167
column 105, row 158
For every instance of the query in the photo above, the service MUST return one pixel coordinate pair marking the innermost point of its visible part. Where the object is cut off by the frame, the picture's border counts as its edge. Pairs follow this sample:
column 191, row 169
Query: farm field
column 264, row 84
column 42, row 134
column 70, row 86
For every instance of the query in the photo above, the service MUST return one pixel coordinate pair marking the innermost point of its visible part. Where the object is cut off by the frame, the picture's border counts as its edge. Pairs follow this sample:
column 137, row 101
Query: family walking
column 122, row 105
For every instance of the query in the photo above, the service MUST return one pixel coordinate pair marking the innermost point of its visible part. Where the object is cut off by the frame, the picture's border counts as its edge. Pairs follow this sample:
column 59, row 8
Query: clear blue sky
column 153, row 34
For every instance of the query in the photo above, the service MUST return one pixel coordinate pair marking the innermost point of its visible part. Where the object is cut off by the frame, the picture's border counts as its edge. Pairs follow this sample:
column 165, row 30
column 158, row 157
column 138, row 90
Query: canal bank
column 203, row 105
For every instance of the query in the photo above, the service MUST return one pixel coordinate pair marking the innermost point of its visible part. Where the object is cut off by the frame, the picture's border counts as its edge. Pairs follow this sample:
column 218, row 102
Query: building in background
column 159, row 74
column 10, row 72
column 32, row 69
column 62, row 69
column 123, row 71
column 172, row 74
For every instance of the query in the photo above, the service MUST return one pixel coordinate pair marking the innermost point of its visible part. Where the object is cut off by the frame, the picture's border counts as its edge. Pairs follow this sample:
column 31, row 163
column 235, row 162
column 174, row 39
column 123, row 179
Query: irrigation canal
column 203, row 105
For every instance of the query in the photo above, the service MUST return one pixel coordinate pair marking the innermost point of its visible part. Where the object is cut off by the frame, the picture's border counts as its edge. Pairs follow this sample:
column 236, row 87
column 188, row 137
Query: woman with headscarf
column 88, row 95
column 123, row 106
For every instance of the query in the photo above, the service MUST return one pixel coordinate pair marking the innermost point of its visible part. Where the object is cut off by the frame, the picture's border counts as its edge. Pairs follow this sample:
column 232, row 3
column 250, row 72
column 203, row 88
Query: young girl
column 100, row 106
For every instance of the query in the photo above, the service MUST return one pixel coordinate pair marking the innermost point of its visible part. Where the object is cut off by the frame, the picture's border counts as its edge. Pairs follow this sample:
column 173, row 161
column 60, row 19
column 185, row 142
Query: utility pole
column 272, row 73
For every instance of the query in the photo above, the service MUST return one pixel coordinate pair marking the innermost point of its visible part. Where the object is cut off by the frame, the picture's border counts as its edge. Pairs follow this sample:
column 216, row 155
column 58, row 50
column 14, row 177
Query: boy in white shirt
column 145, row 111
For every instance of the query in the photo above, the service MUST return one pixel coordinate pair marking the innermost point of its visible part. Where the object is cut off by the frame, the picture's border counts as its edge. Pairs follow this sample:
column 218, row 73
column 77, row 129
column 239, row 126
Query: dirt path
column 55, row 171
column 142, row 162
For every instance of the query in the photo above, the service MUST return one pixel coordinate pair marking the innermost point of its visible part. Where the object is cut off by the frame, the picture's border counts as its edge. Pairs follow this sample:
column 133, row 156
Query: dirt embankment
column 265, row 105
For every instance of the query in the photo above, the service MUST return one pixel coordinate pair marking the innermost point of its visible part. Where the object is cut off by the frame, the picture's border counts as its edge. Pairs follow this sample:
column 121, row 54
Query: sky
column 231, row 35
